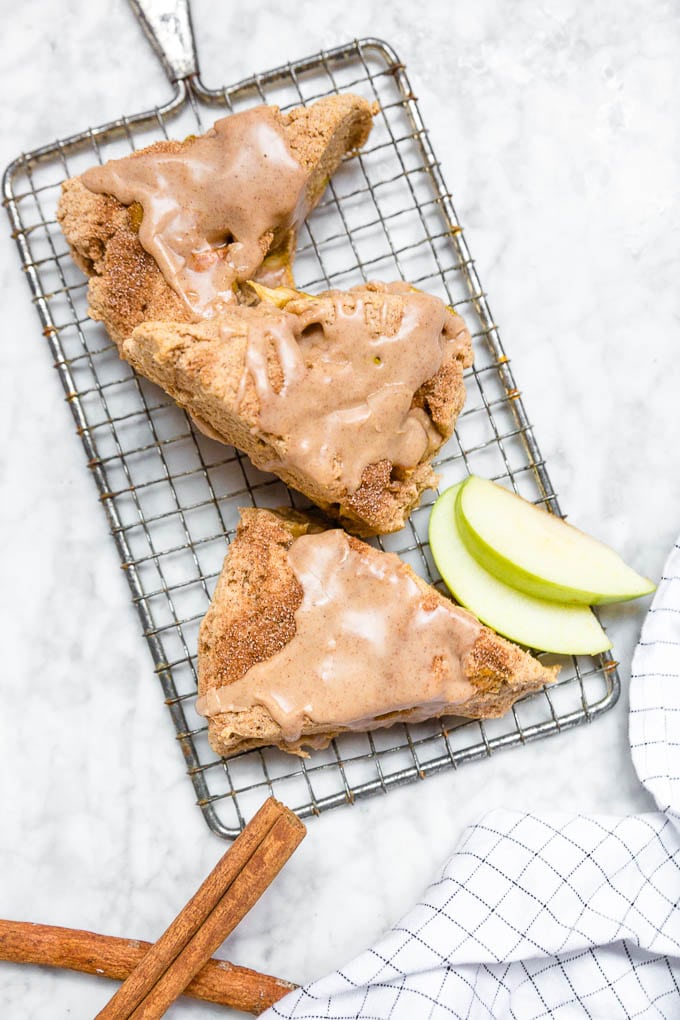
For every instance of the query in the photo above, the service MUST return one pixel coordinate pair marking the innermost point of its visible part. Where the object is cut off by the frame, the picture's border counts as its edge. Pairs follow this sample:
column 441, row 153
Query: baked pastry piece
column 346, row 396
column 170, row 231
column 311, row 633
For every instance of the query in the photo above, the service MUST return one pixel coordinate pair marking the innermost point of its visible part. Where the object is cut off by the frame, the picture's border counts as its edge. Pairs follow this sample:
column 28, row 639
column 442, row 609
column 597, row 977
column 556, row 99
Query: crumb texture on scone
column 346, row 396
column 127, row 286
column 250, row 632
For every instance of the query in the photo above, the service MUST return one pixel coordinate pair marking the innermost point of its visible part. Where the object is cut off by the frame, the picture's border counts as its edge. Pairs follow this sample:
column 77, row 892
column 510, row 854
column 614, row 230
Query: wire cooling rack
column 172, row 495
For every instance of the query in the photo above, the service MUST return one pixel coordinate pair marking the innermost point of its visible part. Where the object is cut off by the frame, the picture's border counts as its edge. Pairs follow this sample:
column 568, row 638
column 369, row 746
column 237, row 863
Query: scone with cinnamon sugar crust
column 346, row 395
column 126, row 284
column 258, row 617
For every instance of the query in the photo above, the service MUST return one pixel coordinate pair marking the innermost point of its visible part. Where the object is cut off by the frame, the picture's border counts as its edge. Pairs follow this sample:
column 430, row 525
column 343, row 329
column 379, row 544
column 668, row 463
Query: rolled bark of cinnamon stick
column 227, row 894
column 219, row 981
column 246, row 889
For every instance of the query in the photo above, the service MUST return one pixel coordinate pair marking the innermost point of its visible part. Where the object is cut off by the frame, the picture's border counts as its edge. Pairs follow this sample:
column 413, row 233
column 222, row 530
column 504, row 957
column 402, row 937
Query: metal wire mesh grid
column 172, row 495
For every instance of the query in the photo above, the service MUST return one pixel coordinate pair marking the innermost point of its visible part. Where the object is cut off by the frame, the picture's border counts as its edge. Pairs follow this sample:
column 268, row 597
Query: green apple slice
column 538, row 553
column 549, row 626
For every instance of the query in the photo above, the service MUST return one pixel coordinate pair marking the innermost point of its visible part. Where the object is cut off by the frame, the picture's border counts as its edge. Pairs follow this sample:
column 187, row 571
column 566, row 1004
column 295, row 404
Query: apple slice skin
column 549, row 626
column 620, row 583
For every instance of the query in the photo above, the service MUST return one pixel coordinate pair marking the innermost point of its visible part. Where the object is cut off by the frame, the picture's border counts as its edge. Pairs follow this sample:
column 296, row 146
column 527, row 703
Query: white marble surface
column 557, row 128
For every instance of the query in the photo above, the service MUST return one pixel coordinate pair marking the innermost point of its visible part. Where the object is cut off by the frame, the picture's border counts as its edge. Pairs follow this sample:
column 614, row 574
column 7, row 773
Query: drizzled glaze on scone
column 207, row 207
column 255, row 613
column 338, row 388
column 368, row 642
column 345, row 396
column 126, row 285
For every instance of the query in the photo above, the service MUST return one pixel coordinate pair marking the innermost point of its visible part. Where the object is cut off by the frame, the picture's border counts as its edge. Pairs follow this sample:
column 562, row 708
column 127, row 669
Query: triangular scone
column 311, row 633
column 126, row 284
column 346, row 396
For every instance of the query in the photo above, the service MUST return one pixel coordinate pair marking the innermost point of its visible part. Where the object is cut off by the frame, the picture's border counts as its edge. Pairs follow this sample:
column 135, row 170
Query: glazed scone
column 346, row 396
column 172, row 230
column 312, row 633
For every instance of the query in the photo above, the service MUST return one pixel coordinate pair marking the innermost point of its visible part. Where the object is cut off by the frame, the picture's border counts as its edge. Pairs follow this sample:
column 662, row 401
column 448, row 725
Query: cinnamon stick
column 72, row 949
column 231, row 889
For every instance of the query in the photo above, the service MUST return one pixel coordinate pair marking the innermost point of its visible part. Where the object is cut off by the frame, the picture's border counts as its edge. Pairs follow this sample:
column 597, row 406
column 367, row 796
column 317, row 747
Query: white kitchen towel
column 551, row 915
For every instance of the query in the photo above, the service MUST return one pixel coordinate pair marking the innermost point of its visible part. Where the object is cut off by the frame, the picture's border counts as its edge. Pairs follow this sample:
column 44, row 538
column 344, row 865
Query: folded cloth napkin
column 550, row 915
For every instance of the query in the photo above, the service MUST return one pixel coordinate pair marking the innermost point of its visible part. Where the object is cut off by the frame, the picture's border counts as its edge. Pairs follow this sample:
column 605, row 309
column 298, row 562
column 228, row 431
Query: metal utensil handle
column 167, row 25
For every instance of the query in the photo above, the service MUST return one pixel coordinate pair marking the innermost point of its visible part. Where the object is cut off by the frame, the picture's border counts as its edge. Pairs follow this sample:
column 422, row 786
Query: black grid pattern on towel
column 172, row 496
column 530, row 895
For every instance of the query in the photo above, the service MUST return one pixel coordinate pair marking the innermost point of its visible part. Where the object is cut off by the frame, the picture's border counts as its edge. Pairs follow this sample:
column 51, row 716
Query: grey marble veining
column 556, row 125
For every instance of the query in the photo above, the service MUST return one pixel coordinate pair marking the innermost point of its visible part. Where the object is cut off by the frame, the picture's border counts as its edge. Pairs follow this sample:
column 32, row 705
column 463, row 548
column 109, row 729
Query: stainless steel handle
column 167, row 25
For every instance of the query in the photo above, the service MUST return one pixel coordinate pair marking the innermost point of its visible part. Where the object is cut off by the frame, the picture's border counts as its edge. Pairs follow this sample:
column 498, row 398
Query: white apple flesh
column 539, row 624
column 538, row 553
